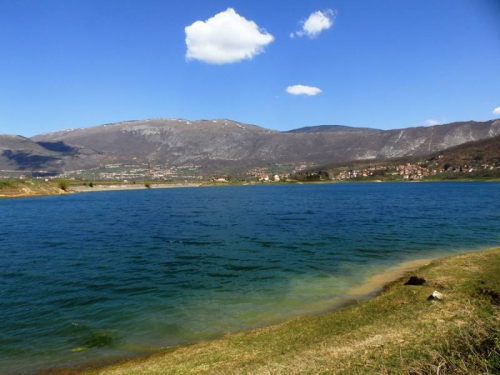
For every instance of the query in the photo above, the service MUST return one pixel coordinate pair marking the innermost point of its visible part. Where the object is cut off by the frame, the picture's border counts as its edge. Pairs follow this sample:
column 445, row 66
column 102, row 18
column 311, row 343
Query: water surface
column 96, row 277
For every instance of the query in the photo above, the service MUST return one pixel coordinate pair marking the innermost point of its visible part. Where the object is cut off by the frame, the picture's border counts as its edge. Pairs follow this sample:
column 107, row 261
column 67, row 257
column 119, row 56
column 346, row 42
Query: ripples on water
column 107, row 275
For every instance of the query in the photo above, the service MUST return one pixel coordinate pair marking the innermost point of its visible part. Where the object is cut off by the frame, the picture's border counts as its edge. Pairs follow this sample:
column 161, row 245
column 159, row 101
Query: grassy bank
column 16, row 188
column 12, row 188
column 398, row 332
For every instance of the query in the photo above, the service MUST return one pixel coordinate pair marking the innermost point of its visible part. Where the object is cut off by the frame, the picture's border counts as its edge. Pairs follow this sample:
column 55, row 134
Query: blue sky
column 386, row 64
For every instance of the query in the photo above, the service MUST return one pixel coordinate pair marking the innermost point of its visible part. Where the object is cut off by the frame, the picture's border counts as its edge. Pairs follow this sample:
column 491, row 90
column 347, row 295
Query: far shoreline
column 101, row 187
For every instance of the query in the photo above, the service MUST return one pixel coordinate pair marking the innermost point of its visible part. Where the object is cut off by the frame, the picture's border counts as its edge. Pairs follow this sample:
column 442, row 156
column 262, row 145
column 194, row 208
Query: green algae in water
column 97, row 339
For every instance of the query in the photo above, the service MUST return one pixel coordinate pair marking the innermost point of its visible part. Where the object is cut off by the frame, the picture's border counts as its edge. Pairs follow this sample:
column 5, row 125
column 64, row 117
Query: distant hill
column 472, row 154
column 22, row 154
column 486, row 151
column 333, row 129
column 212, row 143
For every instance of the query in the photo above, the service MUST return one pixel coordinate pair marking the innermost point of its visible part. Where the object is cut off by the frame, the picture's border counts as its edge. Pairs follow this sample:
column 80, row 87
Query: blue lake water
column 97, row 277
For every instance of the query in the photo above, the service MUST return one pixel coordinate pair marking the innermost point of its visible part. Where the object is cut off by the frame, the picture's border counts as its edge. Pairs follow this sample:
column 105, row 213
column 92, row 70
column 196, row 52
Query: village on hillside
column 434, row 168
column 410, row 171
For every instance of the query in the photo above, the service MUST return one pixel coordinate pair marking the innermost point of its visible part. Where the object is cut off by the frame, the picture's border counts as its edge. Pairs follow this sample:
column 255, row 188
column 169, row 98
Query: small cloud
column 432, row 122
column 303, row 90
column 316, row 23
column 496, row 111
column 225, row 38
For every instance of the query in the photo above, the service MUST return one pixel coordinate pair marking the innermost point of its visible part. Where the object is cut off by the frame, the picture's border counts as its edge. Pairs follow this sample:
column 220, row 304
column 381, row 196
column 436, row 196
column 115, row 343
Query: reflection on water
column 108, row 275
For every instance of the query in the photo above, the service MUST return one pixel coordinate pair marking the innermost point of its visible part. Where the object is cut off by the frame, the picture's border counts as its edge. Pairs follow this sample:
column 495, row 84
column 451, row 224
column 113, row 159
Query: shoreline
column 370, row 288
column 376, row 283
column 53, row 191
column 101, row 188
column 395, row 321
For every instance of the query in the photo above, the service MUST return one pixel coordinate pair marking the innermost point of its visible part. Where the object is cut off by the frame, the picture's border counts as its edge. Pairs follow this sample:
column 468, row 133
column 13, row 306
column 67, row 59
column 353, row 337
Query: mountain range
column 212, row 143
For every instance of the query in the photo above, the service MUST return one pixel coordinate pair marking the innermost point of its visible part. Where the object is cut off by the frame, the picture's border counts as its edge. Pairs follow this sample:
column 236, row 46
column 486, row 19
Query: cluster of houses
column 255, row 172
column 355, row 173
column 276, row 178
column 301, row 167
column 412, row 171
column 123, row 172
column 470, row 169
column 263, row 174
column 489, row 167
column 262, row 177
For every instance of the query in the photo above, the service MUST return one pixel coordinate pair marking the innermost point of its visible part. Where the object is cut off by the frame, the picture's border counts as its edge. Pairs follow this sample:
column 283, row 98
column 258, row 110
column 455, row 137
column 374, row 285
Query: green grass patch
column 8, row 184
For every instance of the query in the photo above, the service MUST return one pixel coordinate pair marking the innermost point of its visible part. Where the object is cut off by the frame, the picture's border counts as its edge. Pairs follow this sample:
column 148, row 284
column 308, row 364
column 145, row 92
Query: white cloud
column 316, row 23
column 496, row 111
column 225, row 38
column 432, row 122
column 303, row 90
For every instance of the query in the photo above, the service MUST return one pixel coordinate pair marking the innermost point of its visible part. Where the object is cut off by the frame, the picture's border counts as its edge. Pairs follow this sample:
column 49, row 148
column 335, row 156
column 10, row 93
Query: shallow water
column 96, row 277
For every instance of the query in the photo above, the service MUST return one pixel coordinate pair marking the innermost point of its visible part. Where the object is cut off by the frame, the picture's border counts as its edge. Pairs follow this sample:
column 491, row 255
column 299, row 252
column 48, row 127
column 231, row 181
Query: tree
column 63, row 185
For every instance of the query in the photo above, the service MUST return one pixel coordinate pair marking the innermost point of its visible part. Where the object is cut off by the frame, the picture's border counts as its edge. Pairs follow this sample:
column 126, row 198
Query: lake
column 91, row 278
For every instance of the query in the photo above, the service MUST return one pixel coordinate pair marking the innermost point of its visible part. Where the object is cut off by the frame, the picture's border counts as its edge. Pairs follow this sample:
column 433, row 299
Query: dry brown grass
column 21, row 189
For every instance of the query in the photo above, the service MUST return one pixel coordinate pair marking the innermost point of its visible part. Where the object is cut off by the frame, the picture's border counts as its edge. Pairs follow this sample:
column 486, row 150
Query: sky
column 277, row 64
